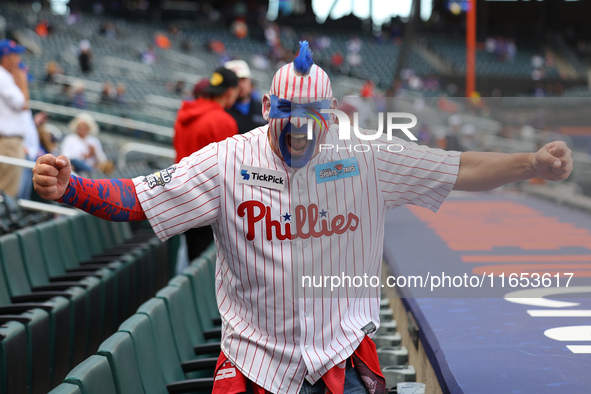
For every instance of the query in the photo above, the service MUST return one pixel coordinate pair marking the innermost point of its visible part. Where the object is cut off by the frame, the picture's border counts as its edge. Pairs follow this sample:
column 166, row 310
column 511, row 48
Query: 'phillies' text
column 305, row 218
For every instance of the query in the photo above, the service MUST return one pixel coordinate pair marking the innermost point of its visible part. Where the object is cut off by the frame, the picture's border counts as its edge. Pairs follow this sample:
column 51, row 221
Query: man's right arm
column 109, row 199
column 13, row 94
column 20, row 79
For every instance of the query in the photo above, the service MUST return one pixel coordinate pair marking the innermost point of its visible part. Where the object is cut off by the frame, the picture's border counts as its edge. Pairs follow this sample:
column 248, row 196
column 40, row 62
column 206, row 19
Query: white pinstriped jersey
column 276, row 334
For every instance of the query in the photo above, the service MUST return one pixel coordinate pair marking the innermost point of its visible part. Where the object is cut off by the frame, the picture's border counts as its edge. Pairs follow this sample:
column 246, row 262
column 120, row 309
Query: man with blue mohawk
column 284, row 211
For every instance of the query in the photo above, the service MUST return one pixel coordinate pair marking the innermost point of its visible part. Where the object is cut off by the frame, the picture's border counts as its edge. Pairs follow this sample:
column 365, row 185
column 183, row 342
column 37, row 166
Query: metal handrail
column 13, row 161
column 143, row 148
column 42, row 207
column 103, row 118
column 33, row 205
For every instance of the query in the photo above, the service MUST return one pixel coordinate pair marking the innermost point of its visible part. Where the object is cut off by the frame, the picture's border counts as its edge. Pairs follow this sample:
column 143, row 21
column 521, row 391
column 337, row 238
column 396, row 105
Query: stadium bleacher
column 69, row 299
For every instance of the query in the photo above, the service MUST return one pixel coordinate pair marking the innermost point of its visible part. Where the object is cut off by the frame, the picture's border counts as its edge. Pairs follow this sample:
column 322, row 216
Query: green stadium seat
column 150, row 360
column 114, row 281
column 202, row 288
column 172, row 366
column 13, row 356
column 74, row 226
column 56, row 303
column 86, row 224
column 93, row 376
column 146, row 352
column 126, row 274
column 128, row 283
column 105, row 233
column 88, row 313
column 142, row 260
column 193, row 308
column 36, row 267
column 190, row 340
column 66, row 388
column 118, row 349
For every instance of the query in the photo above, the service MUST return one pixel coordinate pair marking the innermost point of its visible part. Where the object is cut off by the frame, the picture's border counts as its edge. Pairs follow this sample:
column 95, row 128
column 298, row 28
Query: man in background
column 204, row 120
column 246, row 111
column 199, row 123
column 14, row 112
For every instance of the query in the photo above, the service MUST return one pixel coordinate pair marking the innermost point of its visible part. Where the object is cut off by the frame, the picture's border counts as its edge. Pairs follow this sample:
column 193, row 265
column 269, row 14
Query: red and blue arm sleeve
column 110, row 199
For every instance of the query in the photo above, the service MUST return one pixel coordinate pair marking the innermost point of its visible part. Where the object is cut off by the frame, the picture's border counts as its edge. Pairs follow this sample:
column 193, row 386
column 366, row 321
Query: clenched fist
column 554, row 161
column 51, row 176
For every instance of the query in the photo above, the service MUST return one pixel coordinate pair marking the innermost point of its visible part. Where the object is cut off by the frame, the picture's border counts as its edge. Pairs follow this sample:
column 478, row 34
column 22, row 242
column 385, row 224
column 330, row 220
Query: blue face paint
column 296, row 161
column 282, row 109
column 285, row 109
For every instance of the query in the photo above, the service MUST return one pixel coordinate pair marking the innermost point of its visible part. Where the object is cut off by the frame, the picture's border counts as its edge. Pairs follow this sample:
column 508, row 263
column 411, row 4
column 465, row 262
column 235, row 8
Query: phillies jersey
column 275, row 225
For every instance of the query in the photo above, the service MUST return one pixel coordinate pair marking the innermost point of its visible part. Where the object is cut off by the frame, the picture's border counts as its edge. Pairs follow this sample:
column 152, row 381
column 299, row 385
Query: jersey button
column 306, row 314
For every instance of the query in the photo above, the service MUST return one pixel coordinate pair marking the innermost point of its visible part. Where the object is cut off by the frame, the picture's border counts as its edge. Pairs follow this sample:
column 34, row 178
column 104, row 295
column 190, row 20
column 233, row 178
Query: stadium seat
column 387, row 339
column 36, row 265
column 118, row 349
column 87, row 225
column 395, row 375
column 93, row 376
column 13, row 357
column 146, row 353
column 66, row 388
column 192, row 311
column 74, row 225
column 392, row 356
column 149, row 360
column 202, row 290
column 58, row 304
column 207, row 279
column 58, row 253
column 143, row 259
column 172, row 367
column 127, row 269
column 189, row 340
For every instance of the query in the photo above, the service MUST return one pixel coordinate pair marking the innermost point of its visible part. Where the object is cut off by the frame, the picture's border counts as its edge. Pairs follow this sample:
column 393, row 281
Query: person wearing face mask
column 281, row 208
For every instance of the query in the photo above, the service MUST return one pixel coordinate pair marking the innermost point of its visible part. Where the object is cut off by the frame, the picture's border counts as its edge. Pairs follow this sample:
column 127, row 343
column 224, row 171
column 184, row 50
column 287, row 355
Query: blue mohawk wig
column 303, row 62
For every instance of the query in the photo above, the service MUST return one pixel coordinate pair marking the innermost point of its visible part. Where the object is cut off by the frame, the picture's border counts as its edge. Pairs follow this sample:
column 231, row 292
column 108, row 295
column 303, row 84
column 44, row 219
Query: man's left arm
column 480, row 171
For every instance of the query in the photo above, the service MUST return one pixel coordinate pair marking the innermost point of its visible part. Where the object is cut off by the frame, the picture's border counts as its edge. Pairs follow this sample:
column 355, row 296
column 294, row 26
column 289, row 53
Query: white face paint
column 287, row 133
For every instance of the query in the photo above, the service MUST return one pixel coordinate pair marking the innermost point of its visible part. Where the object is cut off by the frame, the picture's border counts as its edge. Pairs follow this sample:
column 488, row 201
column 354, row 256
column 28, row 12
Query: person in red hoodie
column 204, row 120
column 199, row 123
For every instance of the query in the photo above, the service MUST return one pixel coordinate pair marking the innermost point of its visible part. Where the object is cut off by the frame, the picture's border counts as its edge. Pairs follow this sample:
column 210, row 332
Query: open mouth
column 297, row 142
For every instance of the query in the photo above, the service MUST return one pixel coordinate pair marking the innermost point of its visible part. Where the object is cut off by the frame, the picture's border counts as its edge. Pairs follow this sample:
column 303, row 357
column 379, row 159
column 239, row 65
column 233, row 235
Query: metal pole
column 17, row 162
column 408, row 39
column 471, row 48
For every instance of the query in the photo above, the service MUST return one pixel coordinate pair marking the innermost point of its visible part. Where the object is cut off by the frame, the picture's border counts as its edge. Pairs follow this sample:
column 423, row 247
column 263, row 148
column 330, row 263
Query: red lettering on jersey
column 305, row 218
column 247, row 208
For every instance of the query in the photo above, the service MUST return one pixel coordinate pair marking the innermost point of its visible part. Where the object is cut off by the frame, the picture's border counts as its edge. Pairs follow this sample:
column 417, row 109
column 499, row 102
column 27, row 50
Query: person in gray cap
column 246, row 111
column 201, row 122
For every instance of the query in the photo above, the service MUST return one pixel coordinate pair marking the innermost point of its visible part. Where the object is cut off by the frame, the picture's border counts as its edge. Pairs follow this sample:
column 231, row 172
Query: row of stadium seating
column 13, row 217
column 65, row 285
column 171, row 344
column 454, row 51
